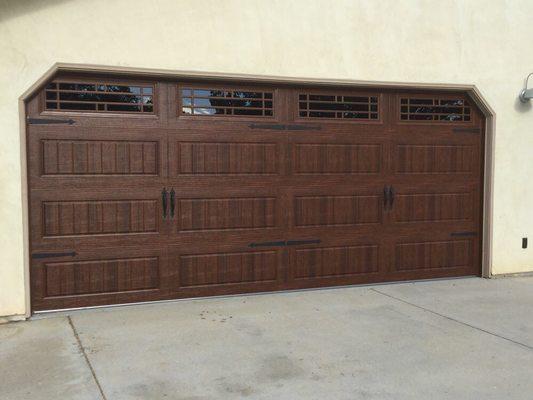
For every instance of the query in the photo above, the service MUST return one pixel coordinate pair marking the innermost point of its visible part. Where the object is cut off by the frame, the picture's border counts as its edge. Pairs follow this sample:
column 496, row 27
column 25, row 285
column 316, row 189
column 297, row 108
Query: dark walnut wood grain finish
column 266, row 188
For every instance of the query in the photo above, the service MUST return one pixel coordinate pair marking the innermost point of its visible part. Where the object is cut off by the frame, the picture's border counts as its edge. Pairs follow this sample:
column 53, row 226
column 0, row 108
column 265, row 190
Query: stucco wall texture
column 485, row 43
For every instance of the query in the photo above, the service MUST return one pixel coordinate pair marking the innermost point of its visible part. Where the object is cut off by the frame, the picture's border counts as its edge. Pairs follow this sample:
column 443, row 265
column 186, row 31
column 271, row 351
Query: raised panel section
column 227, row 268
column 99, row 157
column 433, row 207
column 433, row 255
column 335, row 261
column 336, row 210
column 434, row 159
column 92, row 217
column 101, row 276
column 319, row 158
column 227, row 158
column 227, row 213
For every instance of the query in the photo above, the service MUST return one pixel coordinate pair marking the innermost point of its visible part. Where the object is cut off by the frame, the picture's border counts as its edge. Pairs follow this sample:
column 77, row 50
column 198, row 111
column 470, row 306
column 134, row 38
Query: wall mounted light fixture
column 526, row 94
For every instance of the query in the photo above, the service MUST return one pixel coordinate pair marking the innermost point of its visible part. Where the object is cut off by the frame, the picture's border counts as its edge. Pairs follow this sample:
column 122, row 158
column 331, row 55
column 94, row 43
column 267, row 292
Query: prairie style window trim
column 225, row 102
column 99, row 97
column 356, row 107
column 435, row 109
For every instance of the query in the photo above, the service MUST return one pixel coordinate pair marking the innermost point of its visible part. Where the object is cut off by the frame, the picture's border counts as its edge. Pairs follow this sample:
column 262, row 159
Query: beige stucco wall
column 480, row 42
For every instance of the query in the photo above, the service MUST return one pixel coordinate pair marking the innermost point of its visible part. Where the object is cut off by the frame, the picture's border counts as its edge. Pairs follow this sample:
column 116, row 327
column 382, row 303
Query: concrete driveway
column 455, row 339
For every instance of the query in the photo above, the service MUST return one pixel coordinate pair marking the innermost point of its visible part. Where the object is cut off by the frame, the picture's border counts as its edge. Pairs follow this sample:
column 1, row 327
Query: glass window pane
column 229, row 102
column 338, row 106
column 434, row 109
column 99, row 97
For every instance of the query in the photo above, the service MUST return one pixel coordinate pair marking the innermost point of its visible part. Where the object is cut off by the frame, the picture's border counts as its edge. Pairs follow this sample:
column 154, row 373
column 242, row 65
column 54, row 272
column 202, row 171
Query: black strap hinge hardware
column 466, row 130
column 49, row 121
column 282, row 127
column 36, row 256
column 463, row 234
column 300, row 242
column 268, row 244
column 282, row 243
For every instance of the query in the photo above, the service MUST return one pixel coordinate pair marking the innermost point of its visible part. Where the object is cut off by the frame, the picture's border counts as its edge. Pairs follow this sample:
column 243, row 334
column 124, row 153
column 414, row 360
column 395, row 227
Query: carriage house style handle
column 172, row 202
column 385, row 196
column 164, row 202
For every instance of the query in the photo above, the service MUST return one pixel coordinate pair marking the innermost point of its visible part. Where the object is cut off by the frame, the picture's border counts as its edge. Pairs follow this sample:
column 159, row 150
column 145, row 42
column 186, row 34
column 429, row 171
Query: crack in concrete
column 453, row 319
column 82, row 349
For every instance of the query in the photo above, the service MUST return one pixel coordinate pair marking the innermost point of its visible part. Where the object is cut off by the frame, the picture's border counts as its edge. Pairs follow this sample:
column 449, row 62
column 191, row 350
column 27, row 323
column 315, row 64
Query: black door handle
column 172, row 202
column 391, row 196
column 385, row 196
column 164, row 202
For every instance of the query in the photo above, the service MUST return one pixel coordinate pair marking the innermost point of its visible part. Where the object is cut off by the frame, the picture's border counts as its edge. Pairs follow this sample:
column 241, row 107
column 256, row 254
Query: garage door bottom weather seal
column 224, row 296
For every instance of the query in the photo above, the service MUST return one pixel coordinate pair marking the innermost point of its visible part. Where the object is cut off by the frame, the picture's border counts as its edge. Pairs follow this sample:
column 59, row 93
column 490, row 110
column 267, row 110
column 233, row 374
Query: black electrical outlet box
column 524, row 243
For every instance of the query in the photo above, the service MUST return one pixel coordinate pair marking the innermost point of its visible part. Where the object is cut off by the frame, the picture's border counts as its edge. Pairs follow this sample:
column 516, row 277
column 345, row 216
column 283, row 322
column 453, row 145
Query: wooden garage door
column 152, row 190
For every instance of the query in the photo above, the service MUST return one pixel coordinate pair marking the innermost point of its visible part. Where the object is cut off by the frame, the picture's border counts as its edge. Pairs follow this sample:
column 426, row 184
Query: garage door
column 146, row 190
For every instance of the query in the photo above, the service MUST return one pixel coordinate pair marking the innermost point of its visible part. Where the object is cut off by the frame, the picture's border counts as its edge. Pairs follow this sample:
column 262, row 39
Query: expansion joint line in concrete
column 453, row 319
column 82, row 350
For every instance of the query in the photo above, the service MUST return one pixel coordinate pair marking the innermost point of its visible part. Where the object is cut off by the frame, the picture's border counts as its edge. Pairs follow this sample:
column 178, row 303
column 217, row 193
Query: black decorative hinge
column 268, row 244
column 463, row 234
column 300, row 242
column 282, row 127
column 466, row 130
column 49, row 121
column 282, row 243
column 53, row 255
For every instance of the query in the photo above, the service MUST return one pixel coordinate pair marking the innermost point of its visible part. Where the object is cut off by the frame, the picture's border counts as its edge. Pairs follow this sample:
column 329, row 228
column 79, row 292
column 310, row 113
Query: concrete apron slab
column 501, row 306
column 346, row 343
column 41, row 360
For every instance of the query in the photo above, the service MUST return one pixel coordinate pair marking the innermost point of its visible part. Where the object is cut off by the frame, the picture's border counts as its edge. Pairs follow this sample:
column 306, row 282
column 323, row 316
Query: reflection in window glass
column 434, row 109
column 338, row 106
column 195, row 101
column 99, row 97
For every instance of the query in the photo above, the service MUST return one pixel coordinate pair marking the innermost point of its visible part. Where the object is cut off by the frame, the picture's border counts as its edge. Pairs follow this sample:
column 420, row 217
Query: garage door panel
column 335, row 210
column 95, row 158
column 215, row 158
column 433, row 207
column 452, row 249
column 434, row 204
column 228, row 268
column 102, row 276
column 434, row 254
column 110, row 275
column 435, row 159
column 96, row 217
column 335, row 206
column 336, row 158
column 99, row 157
column 335, row 261
column 227, row 213
column 232, row 266
column 99, row 217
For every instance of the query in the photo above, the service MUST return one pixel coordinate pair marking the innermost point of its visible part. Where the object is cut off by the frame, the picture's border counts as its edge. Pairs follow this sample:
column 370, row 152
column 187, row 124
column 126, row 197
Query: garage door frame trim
column 470, row 90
